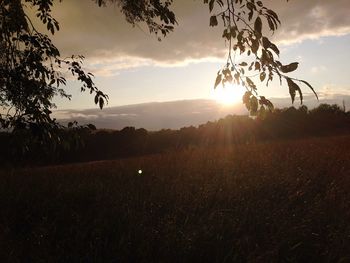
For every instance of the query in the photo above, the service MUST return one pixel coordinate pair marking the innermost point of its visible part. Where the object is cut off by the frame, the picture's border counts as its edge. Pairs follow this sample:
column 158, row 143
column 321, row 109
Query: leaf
column 243, row 64
column 266, row 102
column 233, row 32
column 308, row 84
column 246, row 99
column 250, row 6
column 220, row 3
column 213, row 21
column 289, row 68
column 240, row 36
column 257, row 66
column 218, row 80
column 229, row 78
column 211, row 5
column 101, row 102
column 255, row 46
column 258, row 27
column 253, row 105
column 250, row 15
column 268, row 44
column 57, row 26
column 274, row 15
column 237, row 77
column 250, row 83
column 293, row 88
column 226, row 71
column 271, row 24
column 226, row 35
column 274, row 48
column 262, row 76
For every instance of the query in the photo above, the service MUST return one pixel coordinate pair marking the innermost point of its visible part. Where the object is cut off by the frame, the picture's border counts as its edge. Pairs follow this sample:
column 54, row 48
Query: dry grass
column 269, row 202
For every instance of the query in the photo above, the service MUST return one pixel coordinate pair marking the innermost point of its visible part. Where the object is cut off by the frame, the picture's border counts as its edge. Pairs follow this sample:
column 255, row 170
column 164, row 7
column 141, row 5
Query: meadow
column 280, row 201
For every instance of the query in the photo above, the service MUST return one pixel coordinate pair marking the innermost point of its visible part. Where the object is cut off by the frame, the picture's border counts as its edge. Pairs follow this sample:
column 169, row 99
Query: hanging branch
column 243, row 22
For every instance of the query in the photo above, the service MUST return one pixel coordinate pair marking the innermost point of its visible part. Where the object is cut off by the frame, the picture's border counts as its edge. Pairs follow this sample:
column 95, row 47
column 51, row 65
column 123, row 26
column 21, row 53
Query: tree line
column 86, row 143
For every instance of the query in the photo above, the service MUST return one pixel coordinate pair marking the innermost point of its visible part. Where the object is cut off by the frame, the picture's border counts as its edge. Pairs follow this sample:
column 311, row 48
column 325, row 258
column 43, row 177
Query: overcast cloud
column 102, row 34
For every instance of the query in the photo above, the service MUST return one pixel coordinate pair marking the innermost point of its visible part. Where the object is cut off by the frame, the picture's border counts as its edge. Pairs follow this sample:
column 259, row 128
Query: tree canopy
column 32, row 69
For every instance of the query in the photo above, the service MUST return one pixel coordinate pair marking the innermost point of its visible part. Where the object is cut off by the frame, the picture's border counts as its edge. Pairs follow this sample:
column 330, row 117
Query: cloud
column 102, row 34
column 330, row 90
column 107, row 67
column 312, row 19
column 318, row 69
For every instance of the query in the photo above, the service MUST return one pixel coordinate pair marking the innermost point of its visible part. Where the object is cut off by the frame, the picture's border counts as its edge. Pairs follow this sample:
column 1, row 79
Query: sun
column 228, row 95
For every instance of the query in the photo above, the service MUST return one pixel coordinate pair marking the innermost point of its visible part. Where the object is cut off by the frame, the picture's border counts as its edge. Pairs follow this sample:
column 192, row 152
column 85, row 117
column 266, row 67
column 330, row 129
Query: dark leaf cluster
column 32, row 71
column 252, row 57
column 157, row 14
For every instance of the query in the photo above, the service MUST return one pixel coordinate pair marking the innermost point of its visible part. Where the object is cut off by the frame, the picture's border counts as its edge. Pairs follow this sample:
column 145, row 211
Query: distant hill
column 154, row 115
column 170, row 115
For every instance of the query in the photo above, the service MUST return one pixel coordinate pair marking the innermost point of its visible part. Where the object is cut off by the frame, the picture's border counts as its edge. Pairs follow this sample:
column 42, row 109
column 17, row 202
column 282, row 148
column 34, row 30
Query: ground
column 282, row 201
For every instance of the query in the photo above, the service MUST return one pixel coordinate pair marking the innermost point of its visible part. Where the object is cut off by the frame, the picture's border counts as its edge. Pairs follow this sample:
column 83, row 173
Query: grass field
column 270, row 202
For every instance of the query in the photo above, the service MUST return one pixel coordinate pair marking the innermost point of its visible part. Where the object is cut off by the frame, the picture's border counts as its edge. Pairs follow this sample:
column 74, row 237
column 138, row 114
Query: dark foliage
column 156, row 14
column 287, row 123
column 252, row 57
column 89, row 144
column 32, row 73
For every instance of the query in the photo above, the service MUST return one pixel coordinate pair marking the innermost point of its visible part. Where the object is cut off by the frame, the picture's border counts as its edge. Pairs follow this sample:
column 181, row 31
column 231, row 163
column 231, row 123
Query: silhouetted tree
column 155, row 13
column 31, row 74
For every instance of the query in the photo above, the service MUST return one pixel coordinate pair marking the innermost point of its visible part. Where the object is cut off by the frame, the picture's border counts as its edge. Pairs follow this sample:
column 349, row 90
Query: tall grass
column 268, row 202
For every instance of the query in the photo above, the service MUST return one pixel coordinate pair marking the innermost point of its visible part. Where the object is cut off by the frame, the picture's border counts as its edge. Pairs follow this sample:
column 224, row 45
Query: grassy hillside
column 269, row 202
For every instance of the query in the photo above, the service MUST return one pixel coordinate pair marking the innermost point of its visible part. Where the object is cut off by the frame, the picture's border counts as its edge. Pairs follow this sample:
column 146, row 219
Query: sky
column 132, row 67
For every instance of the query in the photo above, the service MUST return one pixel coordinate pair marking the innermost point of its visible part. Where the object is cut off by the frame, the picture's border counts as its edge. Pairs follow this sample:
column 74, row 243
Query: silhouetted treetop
column 31, row 68
column 155, row 13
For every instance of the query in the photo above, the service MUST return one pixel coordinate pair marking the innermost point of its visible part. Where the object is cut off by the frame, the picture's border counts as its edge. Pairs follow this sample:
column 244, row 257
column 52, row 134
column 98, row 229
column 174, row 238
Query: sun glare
column 228, row 95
